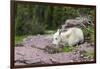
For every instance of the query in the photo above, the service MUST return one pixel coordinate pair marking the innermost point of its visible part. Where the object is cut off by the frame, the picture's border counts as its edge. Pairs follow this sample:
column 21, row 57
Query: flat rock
column 38, row 41
column 29, row 55
column 65, row 57
column 86, row 47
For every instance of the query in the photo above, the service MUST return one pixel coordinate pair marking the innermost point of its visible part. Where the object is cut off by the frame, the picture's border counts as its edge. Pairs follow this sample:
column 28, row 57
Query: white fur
column 71, row 37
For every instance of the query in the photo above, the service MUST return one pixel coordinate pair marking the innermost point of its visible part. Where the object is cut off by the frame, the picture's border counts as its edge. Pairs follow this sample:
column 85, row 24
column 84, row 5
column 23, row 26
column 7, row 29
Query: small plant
column 89, row 33
column 68, row 48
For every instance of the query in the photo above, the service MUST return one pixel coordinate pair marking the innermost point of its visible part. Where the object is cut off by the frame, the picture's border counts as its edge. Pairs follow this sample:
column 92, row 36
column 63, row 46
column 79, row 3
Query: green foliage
column 33, row 19
column 68, row 49
column 38, row 28
column 19, row 39
column 89, row 33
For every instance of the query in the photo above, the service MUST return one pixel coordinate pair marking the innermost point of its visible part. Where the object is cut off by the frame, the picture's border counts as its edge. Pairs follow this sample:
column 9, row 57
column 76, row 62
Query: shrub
column 38, row 28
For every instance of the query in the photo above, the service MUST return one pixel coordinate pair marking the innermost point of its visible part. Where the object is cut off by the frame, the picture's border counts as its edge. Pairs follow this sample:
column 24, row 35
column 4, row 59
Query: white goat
column 70, row 37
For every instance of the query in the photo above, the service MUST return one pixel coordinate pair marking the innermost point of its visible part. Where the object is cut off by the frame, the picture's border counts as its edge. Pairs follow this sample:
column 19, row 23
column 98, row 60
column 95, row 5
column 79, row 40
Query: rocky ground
column 39, row 50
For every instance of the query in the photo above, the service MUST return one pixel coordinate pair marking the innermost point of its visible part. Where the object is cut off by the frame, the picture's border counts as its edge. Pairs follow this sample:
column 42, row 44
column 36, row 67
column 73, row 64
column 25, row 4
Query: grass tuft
column 19, row 39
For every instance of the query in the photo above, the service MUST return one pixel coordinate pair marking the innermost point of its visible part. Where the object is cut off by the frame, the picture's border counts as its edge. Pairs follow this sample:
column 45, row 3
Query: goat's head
column 57, row 37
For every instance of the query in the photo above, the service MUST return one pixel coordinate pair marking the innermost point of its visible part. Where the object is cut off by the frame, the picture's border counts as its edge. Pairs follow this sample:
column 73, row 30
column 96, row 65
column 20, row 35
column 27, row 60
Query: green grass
column 18, row 39
column 68, row 48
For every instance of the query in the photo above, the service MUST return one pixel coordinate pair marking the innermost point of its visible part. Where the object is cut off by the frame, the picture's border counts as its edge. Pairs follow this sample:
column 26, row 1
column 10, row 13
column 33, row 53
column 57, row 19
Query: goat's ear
column 59, row 31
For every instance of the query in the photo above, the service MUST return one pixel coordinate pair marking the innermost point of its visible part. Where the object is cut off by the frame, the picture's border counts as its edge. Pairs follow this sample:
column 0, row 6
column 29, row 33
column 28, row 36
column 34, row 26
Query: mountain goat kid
column 70, row 37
